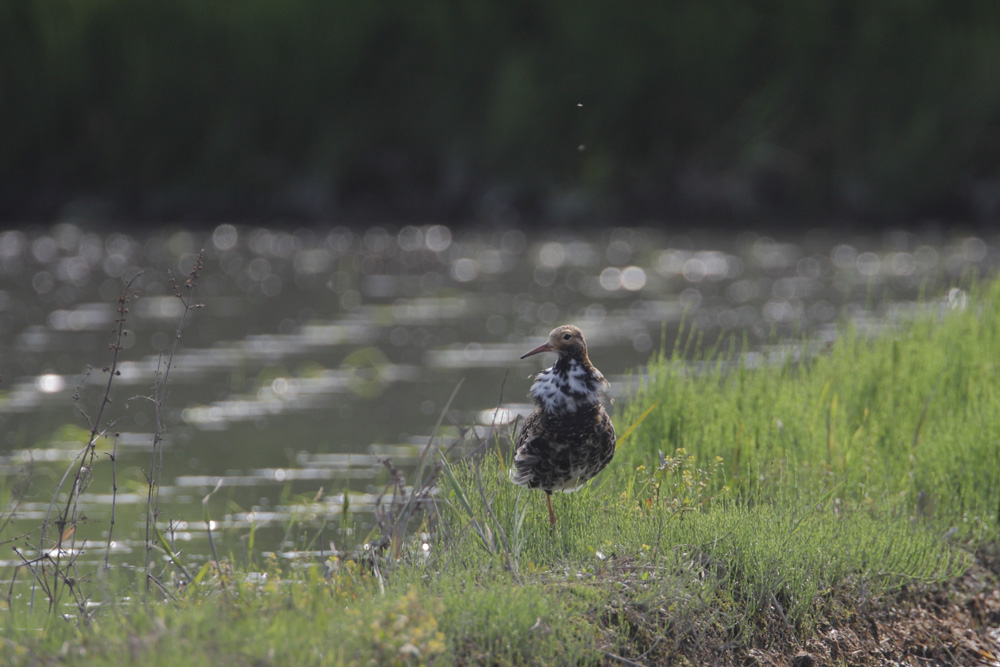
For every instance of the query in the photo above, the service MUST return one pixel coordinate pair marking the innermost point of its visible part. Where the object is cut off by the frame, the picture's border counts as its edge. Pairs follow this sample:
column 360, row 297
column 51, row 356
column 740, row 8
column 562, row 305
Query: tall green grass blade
column 635, row 424
column 174, row 558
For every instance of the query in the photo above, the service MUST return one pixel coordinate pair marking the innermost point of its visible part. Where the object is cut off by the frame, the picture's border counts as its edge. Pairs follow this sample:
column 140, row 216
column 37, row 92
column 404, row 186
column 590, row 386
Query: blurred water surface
column 320, row 352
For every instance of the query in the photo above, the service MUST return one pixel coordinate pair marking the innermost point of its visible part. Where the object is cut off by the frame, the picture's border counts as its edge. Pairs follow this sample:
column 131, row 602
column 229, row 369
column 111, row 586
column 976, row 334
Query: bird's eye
column 566, row 336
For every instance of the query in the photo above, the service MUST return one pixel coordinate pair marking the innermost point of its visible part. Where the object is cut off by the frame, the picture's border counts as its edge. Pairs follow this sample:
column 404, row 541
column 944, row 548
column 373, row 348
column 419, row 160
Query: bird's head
column 566, row 340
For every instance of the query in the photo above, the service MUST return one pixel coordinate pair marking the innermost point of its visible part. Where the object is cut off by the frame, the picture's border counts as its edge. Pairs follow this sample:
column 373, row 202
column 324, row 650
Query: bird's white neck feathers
column 567, row 386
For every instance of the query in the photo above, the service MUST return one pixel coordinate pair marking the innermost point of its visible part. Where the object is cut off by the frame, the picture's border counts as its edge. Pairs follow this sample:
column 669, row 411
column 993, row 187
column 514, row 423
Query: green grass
column 908, row 417
column 749, row 505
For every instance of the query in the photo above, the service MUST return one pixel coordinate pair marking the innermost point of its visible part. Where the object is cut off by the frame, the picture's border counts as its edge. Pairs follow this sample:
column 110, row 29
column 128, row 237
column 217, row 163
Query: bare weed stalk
column 12, row 501
column 186, row 295
column 66, row 521
column 114, row 498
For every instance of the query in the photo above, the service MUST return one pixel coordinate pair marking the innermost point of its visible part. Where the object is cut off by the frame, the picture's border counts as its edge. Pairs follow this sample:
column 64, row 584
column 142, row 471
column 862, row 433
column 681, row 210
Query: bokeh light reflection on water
column 320, row 343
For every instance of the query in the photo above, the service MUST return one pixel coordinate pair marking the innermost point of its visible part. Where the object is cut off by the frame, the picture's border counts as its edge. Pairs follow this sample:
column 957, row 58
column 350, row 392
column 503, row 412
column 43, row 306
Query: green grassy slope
column 784, row 496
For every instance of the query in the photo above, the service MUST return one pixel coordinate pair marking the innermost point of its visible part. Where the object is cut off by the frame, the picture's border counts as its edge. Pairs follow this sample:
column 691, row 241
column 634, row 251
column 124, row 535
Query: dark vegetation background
column 467, row 110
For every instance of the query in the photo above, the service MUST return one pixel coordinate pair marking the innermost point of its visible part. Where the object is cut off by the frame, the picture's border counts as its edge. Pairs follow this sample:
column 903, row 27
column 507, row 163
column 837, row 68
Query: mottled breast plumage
column 567, row 386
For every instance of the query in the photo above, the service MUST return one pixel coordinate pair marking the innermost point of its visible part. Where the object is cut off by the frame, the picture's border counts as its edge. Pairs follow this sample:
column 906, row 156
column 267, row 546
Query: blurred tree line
column 518, row 110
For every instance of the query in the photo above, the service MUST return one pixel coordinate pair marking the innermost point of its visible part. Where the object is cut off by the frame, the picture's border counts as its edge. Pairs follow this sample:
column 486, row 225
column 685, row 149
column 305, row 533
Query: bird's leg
column 552, row 515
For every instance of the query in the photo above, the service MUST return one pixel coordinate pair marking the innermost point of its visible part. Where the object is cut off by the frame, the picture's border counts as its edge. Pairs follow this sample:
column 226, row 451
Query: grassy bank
column 752, row 504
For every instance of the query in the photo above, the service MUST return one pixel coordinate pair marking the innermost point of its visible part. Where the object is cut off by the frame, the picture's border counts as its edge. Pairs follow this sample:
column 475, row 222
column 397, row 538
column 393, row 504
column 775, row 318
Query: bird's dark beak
column 544, row 347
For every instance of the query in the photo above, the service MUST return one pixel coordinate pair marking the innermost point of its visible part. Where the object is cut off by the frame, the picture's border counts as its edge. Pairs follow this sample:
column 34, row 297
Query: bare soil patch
column 951, row 623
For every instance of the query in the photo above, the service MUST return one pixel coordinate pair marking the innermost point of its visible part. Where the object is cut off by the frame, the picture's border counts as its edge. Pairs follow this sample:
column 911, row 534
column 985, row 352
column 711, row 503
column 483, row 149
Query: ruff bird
column 569, row 437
